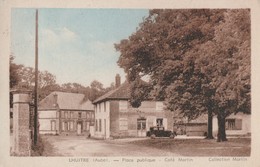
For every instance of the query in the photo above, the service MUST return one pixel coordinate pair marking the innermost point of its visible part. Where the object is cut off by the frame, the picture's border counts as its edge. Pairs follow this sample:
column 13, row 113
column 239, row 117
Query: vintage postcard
column 171, row 83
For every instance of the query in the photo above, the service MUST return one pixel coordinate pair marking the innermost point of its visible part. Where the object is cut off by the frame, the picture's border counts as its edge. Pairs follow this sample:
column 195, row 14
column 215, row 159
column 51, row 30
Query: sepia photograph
column 130, row 86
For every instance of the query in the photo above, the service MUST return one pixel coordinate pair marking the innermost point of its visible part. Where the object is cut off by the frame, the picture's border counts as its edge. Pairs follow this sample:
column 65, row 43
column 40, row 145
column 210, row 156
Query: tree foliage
column 198, row 60
column 22, row 77
column 14, row 75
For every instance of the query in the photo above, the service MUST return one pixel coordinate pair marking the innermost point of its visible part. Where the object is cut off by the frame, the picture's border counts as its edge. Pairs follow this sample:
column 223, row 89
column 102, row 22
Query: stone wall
column 21, row 121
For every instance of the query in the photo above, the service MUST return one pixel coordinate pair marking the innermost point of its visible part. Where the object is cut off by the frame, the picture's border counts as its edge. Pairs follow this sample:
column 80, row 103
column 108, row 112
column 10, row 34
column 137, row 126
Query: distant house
column 196, row 127
column 66, row 113
column 114, row 116
column 236, row 124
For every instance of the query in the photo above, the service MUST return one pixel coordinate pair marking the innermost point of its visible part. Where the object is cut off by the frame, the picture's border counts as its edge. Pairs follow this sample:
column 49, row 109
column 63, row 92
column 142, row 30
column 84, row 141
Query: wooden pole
column 36, row 82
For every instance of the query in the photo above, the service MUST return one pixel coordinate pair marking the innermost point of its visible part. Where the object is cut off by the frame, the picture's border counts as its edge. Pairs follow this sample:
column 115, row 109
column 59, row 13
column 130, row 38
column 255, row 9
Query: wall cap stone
column 20, row 91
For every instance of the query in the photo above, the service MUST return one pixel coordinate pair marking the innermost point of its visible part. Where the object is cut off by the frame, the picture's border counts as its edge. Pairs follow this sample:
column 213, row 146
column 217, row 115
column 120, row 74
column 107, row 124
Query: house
column 236, row 124
column 66, row 113
column 114, row 116
column 195, row 127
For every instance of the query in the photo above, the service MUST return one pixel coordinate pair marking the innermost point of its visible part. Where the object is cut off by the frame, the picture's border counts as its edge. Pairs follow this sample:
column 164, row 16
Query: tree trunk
column 210, row 117
column 221, row 127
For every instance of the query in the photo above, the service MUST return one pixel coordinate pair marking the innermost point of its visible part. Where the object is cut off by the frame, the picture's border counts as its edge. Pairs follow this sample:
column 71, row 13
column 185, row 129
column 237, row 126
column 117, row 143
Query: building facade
column 114, row 116
column 66, row 113
column 236, row 124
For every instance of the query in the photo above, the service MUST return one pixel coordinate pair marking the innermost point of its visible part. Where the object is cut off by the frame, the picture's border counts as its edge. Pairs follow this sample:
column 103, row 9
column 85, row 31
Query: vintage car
column 157, row 131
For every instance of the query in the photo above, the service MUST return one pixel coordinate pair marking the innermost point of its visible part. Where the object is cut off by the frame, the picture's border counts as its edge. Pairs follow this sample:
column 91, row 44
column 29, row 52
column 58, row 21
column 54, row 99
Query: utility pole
column 36, row 82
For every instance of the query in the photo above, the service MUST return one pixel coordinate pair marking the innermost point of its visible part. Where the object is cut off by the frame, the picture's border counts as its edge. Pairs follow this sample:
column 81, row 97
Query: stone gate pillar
column 21, row 118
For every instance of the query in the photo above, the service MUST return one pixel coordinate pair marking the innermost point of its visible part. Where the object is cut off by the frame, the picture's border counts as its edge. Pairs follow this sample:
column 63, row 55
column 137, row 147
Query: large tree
column 169, row 47
column 22, row 77
column 14, row 74
column 97, row 89
column 226, row 59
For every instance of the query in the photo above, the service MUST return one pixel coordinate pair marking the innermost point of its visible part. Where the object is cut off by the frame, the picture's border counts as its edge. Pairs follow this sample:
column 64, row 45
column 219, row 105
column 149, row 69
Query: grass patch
column 49, row 148
column 43, row 148
column 37, row 150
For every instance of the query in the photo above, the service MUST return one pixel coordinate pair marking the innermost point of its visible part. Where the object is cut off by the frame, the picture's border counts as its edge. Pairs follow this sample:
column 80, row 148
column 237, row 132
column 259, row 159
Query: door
column 141, row 127
column 79, row 128
column 159, row 122
column 87, row 128
column 105, row 128
column 65, row 126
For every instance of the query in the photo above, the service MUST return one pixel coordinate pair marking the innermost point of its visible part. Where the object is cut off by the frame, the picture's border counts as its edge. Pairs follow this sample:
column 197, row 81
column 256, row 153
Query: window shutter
column 154, row 122
column 165, row 123
column 123, row 124
column 238, row 124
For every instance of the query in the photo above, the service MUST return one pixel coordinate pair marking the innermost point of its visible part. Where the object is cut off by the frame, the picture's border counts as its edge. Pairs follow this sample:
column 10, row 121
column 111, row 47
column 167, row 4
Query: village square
column 175, row 82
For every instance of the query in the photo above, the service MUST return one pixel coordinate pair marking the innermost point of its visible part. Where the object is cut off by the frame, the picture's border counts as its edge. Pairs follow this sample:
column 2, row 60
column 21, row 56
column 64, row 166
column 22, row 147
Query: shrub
column 37, row 150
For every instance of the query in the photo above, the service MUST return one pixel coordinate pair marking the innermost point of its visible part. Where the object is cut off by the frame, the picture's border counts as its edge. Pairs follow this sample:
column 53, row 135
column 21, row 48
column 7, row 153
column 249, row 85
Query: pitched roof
column 122, row 92
column 69, row 101
column 201, row 119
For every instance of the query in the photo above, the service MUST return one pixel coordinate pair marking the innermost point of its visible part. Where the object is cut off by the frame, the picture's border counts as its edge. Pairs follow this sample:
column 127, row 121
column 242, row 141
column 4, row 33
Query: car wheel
column 153, row 136
column 172, row 136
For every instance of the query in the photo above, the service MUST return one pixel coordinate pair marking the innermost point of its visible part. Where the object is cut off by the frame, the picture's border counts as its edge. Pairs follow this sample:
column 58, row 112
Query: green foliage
column 160, row 49
column 22, row 77
column 14, row 77
column 97, row 90
column 140, row 90
column 197, row 60
column 38, row 149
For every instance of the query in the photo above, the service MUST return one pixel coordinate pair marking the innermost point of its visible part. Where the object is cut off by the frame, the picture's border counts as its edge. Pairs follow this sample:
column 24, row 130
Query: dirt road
column 81, row 146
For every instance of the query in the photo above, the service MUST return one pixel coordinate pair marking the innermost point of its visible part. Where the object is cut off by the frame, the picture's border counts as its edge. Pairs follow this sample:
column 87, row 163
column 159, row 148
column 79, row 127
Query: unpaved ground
column 237, row 146
column 81, row 146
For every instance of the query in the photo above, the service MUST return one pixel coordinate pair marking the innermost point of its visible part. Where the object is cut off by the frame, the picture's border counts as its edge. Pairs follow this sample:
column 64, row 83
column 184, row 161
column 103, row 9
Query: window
column 87, row 115
column 83, row 125
column 66, row 114
column 80, row 114
column 233, row 124
column 123, row 105
column 100, row 125
column 99, row 107
column 104, row 106
column 123, row 124
column 159, row 122
column 65, row 126
column 71, row 114
column 71, row 125
column 107, row 105
column 105, row 121
column 159, row 106
column 53, row 125
column 96, row 125
column 141, row 124
column 62, row 114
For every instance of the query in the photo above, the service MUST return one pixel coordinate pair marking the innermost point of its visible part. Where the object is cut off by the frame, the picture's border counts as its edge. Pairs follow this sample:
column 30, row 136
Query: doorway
column 79, row 128
column 141, row 127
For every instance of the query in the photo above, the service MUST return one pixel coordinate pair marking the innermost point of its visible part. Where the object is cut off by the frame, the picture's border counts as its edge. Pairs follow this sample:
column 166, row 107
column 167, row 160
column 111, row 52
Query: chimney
column 55, row 104
column 118, row 80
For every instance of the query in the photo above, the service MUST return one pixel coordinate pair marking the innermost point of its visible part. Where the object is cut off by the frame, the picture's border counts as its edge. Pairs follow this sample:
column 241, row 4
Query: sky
column 76, row 45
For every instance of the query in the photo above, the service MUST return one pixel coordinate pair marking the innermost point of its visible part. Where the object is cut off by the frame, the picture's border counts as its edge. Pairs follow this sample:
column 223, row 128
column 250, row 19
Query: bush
column 37, row 150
